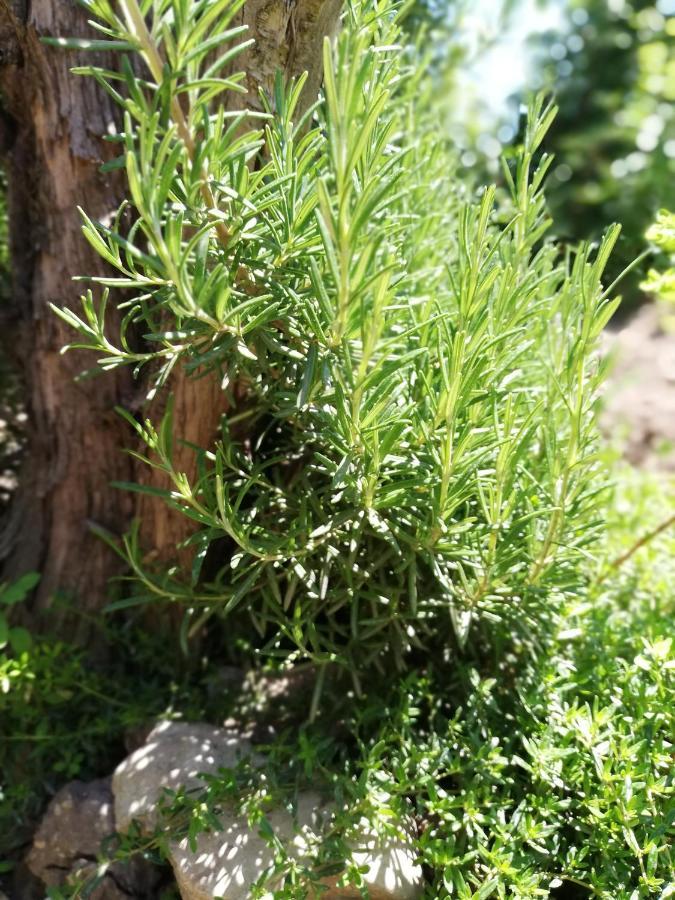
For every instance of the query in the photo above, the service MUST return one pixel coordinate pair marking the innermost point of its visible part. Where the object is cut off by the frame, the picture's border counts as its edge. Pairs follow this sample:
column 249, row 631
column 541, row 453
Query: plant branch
column 150, row 51
column 643, row 541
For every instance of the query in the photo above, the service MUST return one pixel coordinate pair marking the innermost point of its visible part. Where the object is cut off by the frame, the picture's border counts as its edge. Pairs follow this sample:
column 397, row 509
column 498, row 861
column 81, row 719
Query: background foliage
column 613, row 72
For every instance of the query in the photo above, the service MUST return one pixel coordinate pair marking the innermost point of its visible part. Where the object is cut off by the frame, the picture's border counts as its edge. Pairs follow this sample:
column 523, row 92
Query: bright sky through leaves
column 502, row 69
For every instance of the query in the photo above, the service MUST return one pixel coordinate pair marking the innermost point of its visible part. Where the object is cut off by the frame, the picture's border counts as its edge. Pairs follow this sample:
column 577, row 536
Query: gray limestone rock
column 69, row 840
column 227, row 863
column 174, row 756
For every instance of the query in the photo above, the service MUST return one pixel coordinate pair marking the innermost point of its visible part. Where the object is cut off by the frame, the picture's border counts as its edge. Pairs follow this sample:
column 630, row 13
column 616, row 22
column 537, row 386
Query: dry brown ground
column 639, row 409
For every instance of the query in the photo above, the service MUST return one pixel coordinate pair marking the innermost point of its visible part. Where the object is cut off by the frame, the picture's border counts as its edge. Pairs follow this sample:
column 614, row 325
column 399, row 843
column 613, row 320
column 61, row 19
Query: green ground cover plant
column 62, row 718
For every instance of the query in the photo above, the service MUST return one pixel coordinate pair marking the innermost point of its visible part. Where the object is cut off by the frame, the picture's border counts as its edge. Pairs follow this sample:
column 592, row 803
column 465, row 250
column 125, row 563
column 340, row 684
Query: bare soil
column 639, row 402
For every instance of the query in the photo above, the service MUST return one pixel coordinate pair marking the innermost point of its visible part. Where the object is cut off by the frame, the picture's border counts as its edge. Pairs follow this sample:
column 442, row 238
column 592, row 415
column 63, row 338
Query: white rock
column 227, row 863
column 174, row 756
column 392, row 868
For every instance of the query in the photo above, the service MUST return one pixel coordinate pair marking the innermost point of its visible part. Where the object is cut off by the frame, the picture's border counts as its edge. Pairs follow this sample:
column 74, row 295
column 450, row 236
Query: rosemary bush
column 409, row 454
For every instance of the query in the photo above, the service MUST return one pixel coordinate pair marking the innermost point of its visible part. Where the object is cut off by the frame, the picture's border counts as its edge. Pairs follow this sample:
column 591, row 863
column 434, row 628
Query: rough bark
column 289, row 36
column 53, row 124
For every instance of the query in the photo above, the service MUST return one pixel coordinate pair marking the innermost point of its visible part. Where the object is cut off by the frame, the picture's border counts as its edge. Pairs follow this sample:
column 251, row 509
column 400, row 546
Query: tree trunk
column 54, row 123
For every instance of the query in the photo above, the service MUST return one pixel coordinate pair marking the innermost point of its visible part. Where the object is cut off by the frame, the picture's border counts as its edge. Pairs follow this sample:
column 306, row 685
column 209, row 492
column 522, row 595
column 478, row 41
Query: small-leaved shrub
column 410, row 448
column 544, row 773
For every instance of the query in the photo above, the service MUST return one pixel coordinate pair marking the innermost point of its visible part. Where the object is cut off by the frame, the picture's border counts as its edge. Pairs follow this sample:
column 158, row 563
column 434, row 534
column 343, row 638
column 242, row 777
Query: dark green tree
column 613, row 72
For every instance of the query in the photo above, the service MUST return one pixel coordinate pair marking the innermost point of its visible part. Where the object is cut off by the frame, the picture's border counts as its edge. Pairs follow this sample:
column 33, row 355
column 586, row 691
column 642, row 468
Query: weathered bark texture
column 53, row 124
column 289, row 37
